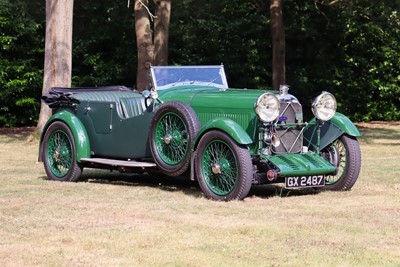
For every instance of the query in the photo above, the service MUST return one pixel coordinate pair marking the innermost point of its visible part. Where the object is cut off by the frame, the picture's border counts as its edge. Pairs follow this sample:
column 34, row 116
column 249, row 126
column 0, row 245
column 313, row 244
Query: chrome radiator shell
column 290, row 135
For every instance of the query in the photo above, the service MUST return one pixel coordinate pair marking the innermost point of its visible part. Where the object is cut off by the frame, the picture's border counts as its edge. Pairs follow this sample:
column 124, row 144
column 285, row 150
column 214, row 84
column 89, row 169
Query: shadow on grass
column 165, row 183
column 379, row 134
column 277, row 190
column 183, row 184
column 18, row 134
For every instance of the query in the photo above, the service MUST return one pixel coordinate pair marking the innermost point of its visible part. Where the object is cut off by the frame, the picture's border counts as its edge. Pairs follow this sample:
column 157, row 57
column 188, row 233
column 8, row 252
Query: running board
column 119, row 163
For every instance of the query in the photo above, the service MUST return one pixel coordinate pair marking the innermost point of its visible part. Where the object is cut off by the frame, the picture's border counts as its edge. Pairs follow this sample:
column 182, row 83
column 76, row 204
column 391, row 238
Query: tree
column 278, row 45
column 349, row 48
column 161, row 31
column 58, row 51
column 103, row 44
column 151, row 51
column 144, row 42
column 21, row 61
column 235, row 33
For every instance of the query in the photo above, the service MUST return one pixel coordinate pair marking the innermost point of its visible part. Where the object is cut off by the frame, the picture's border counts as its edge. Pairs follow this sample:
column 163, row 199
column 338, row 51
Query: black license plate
column 305, row 181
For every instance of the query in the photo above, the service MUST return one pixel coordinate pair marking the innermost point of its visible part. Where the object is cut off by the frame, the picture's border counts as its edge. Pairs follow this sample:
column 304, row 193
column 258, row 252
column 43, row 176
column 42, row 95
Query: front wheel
column 224, row 169
column 344, row 153
column 60, row 153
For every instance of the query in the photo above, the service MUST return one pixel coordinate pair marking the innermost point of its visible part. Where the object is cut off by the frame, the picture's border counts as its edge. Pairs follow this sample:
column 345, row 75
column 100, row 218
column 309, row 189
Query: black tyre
column 59, row 153
column 344, row 153
column 172, row 132
column 224, row 169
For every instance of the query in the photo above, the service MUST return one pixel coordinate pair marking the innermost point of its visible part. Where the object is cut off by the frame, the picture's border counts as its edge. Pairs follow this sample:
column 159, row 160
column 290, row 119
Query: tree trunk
column 278, row 45
column 145, row 47
column 161, row 31
column 58, row 51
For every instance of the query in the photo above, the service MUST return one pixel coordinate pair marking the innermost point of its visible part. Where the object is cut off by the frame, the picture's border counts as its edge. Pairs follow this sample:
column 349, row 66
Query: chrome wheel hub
column 216, row 169
column 56, row 155
column 167, row 139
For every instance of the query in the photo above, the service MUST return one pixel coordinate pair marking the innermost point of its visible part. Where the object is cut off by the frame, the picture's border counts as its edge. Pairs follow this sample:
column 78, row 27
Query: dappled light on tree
column 58, row 51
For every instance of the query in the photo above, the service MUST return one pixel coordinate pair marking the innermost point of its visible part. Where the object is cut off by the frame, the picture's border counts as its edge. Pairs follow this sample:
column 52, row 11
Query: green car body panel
column 345, row 124
column 229, row 126
column 231, row 111
column 330, row 131
column 78, row 131
column 117, row 124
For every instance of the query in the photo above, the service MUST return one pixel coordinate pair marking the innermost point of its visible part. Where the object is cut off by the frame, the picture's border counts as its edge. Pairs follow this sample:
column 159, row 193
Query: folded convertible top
column 62, row 96
column 74, row 90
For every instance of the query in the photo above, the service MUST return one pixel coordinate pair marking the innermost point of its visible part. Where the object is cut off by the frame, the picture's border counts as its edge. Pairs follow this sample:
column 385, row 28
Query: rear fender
column 78, row 130
column 330, row 131
column 228, row 126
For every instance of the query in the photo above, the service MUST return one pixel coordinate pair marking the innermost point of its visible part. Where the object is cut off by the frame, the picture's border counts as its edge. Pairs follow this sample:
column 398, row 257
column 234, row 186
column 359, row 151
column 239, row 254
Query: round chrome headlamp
column 267, row 107
column 324, row 106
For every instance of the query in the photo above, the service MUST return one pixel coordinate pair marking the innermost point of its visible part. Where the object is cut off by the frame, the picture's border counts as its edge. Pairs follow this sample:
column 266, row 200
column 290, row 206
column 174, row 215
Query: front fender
column 330, row 131
column 78, row 130
column 228, row 126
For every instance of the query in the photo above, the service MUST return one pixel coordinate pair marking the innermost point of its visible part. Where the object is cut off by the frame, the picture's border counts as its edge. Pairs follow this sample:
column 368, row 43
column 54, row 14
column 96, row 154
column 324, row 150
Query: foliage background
column 350, row 48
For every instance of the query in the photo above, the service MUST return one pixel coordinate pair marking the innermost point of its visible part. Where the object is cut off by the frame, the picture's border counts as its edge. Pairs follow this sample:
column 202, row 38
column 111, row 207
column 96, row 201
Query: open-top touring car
column 191, row 124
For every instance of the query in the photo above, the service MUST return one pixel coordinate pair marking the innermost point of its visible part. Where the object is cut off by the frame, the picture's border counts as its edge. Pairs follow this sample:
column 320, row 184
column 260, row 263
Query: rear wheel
column 60, row 153
column 344, row 153
column 224, row 169
column 172, row 132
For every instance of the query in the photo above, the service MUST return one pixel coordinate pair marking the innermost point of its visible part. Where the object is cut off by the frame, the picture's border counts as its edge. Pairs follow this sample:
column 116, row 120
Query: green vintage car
column 192, row 124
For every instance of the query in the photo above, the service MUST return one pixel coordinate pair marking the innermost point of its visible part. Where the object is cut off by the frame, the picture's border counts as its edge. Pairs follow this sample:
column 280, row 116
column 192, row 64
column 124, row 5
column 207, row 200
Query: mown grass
column 112, row 219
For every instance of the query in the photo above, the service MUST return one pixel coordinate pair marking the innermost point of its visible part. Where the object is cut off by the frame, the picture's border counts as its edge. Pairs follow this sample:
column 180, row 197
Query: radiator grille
column 290, row 137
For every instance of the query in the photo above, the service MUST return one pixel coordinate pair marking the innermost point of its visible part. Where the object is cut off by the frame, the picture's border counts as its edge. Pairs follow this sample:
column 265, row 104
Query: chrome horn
column 275, row 141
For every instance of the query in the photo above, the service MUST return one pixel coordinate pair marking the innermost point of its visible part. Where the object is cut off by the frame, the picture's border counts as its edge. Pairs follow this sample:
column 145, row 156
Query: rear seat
column 128, row 104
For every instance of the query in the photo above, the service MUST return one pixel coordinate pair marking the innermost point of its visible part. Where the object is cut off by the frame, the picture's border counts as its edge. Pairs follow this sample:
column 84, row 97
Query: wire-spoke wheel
column 172, row 132
column 223, row 168
column 171, row 138
column 60, row 153
column 344, row 153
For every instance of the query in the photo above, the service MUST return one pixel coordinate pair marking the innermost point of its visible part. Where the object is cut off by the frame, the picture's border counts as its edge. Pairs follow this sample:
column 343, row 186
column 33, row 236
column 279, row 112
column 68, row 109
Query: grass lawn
column 113, row 219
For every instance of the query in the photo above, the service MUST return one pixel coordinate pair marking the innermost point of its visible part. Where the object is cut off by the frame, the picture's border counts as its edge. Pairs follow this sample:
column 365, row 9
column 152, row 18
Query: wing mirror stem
column 151, row 94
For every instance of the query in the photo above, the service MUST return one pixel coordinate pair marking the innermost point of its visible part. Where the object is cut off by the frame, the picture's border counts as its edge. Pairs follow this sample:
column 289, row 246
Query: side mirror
column 152, row 96
column 146, row 93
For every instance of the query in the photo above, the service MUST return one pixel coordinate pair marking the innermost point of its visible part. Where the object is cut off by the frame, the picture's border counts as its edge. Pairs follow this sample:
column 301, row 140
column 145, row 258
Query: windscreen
column 166, row 76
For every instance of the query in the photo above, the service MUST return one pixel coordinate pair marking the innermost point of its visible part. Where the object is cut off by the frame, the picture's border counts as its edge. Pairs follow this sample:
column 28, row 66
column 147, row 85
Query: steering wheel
column 164, row 81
